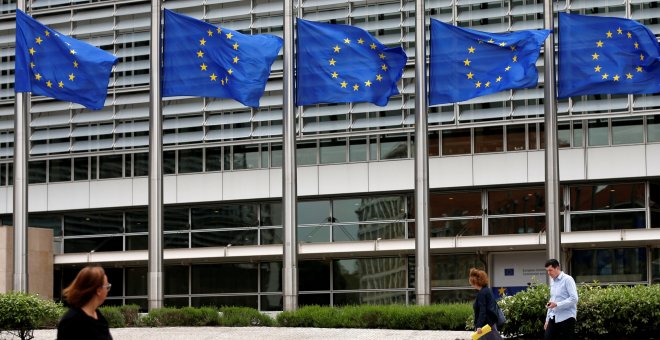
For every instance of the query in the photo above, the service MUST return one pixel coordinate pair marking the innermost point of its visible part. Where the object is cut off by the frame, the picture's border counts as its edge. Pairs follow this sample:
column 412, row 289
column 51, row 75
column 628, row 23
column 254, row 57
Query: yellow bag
column 484, row 330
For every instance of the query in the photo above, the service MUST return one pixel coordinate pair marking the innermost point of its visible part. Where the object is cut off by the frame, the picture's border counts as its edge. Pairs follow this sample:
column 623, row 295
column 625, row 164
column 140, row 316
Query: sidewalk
column 269, row 333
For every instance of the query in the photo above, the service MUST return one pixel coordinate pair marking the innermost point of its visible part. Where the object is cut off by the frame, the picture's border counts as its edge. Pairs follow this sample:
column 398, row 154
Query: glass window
column 306, row 153
column 3, row 174
column 141, row 164
column 369, row 273
column 271, row 276
column 368, row 231
column 627, row 130
column 314, row 275
column 653, row 128
column 176, row 240
column 578, row 134
column 598, row 132
column 607, row 196
column 433, row 144
column 272, row 303
column 452, row 270
column 93, row 223
column 264, row 156
column 223, row 301
column 453, row 295
column 37, row 172
column 627, row 265
column 98, row 244
column 533, row 136
column 516, row 201
column 110, row 166
column 128, row 160
column 654, row 204
column 224, row 238
column 314, row 300
column 333, row 150
column 169, row 162
column 136, row 281
column 246, row 157
column 270, row 214
column 45, row 221
column 313, row 234
column 515, row 225
column 313, row 212
column 224, row 278
column 655, row 265
column 81, row 169
column 608, row 221
column 137, row 242
column 175, row 218
column 454, row 204
column 393, row 147
column 488, row 139
column 225, row 216
column 515, row 137
column 456, row 227
column 276, row 155
column 373, row 148
column 214, row 159
column 564, row 135
column 369, row 298
column 271, row 236
column 456, row 142
column 137, row 221
column 59, row 170
column 175, row 279
column 190, row 160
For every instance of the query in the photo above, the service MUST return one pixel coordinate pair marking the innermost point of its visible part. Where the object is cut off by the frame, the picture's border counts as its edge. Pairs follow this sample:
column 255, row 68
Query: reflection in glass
column 368, row 231
column 306, row 153
column 627, row 130
column 516, row 201
column 393, row 146
column 515, row 137
column 452, row 296
column 314, row 300
column 136, row 242
column 175, row 280
column 136, row 281
column 627, row 265
column 37, row 172
column 224, row 278
column 357, row 149
column 369, row 273
column 271, row 276
column 136, row 221
column 314, row 275
column 272, row 236
column 598, row 132
column 653, row 128
column 81, row 169
column 369, row 298
column 214, row 159
column 578, row 134
column 455, row 204
column 456, row 227
column 178, row 240
column 333, row 150
column 141, row 164
column 456, row 142
column 655, row 265
column 59, row 170
column 488, row 139
column 607, row 196
column 516, row 225
column 452, row 270
column 176, row 302
column 85, row 245
column 224, row 238
column 313, row 212
column 90, row 223
column 608, row 221
column 226, row 301
column 314, row 234
column 111, row 166
column 270, row 214
column 246, row 157
column 45, row 221
column 225, row 216
column 272, row 303
column 190, row 160
column 175, row 218
column 564, row 135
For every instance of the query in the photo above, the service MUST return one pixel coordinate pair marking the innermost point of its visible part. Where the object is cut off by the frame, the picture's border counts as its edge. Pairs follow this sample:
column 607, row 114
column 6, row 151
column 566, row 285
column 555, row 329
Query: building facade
column 223, row 168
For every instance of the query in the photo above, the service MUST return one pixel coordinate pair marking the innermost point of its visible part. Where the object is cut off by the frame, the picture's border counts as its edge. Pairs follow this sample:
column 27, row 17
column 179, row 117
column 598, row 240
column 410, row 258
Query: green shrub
column 243, row 317
column 612, row 312
column 21, row 314
column 114, row 316
column 435, row 317
column 187, row 316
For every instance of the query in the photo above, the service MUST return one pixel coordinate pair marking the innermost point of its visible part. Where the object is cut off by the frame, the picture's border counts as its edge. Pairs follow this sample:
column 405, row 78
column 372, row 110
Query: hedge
column 21, row 314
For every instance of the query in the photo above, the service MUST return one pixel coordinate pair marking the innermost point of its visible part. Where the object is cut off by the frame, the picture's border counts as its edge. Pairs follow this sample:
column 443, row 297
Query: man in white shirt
column 562, row 306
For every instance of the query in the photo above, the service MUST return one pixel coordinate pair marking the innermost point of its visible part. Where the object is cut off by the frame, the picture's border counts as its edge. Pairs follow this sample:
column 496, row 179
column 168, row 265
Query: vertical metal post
column 289, row 170
column 553, row 232
column 20, row 213
column 155, row 279
column 422, row 272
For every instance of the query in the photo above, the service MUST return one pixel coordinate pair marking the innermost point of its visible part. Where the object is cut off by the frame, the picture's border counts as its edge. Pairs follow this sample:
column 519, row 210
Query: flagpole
column 155, row 261
column 289, row 170
column 422, row 272
column 20, row 211
column 553, row 232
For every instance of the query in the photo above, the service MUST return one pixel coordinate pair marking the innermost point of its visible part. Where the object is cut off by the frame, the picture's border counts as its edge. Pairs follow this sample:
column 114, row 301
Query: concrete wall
column 40, row 261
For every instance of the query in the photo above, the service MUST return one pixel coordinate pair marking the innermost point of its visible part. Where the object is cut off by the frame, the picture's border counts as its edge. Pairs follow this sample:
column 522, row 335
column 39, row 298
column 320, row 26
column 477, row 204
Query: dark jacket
column 76, row 324
column 481, row 306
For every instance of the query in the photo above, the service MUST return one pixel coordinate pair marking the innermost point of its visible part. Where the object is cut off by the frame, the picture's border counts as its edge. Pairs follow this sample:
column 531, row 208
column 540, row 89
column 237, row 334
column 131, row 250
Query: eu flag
column 207, row 61
column 51, row 64
column 603, row 55
column 341, row 64
column 466, row 63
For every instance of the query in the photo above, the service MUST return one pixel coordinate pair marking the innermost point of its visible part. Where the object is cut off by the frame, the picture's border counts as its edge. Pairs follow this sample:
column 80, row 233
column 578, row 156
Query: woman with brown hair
column 483, row 304
column 84, row 295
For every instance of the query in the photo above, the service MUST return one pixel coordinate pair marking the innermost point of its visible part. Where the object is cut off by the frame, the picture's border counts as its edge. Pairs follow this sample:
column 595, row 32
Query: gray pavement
column 269, row 333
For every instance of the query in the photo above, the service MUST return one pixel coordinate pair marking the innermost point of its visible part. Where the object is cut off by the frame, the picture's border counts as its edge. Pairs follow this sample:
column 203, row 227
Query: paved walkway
column 268, row 333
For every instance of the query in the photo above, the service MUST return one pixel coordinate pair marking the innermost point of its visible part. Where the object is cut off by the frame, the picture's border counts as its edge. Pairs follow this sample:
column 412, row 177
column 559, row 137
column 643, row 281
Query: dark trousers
column 564, row 330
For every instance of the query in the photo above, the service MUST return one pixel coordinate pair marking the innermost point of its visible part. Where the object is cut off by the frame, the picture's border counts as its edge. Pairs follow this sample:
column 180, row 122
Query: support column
column 422, row 272
column 289, row 170
column 552, row 202
column 155, row 265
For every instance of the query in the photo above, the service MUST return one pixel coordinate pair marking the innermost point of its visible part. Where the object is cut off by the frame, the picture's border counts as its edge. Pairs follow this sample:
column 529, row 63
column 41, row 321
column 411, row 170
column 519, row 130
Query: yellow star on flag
column 471, row 49
column 335, row 75
column 60, row 84
column 213, row 77
column 230, row 71
column 384, row 67
column 379, row 77
column 597, row 68
column 337, row 48
column 333, row 62
column 75, row 64
column 219, row 30
column 487, row 84
column 507, row 68
column 210, row 33
column 478, row 84
column 360, row 41
column 502, row 291
column 639, row 69
column 605, row 76
column 229, row 35
column 636, row 45
column 367, row 83
column 235, row 46
column 513, row 48
column 641, row 57
column 356, row 87
column 38, row 40
column 502, row 44
column 595, row 56
column 373, row 46
column 466, row 62
column 515, row 58
column 629, row 75
column 343, row 84
column 491, row 41
column 49, row 84
column 619, row 30
column 203, row 67
column 470, row 75
column 347, row 41
column 498, row 79
column 32, row 51
column 202, row 42
column 616, row 77
column 47, row 33
column 200, row 54
column 629, row 35
column 236, row 60
column 32, row 65
column 609, row 34
column 599, row 43
column 37, row 76
column 72, row 76
column 382, row 56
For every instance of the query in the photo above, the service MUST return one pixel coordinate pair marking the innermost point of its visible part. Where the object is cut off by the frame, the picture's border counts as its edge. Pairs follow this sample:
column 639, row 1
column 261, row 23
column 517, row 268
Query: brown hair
column 84, row 286
column 478, row 277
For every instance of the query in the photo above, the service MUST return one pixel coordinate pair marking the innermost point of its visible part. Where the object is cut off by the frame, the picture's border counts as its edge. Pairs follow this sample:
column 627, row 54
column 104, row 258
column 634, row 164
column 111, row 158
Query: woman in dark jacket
column 85, row 294
column 482, row 304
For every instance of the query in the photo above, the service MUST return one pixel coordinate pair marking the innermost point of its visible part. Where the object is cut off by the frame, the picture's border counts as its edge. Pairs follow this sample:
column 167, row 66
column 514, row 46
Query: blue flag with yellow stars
column 342, row 64
column 466, row 63
column 51, row 64
column 603, row 55
column 203, row 60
